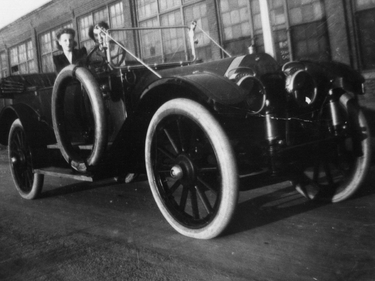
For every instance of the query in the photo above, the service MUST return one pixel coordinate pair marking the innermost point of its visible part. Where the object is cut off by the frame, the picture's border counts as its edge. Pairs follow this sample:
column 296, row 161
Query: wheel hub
column 176, row 172
column 183, row 169
column 18, row 159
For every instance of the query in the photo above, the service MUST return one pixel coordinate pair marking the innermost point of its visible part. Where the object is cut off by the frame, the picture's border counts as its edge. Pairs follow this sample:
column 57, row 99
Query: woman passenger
column 68, row 54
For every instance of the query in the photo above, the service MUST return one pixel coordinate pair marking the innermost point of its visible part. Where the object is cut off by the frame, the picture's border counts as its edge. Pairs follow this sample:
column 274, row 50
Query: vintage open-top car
column 202, row 131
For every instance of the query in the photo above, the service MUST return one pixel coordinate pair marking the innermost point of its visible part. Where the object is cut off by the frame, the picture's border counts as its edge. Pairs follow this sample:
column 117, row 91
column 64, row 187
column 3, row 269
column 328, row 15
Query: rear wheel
column 339, row 169
column 191, row 169
column 28, row 184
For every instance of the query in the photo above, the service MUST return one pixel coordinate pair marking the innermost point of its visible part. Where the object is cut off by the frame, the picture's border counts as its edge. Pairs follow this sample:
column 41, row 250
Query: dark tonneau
column 20, row 83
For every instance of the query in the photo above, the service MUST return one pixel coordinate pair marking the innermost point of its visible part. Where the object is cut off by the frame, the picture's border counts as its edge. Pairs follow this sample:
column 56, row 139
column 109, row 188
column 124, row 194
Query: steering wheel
column 117, row 54
column 99, row 64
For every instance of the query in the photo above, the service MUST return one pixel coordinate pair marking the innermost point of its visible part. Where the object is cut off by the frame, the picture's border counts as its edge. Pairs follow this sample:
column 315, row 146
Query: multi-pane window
column 171, row 44
column 241, row 25
column 22, row 58
column 4, row 71
column 309, row 33
column 198, row 13
column 147, row 8
column 365, row 14
column 236, row 19
column 48, row 45
column 172, row 38
column 112, row 14
column 84, row 24
column 116, row 15
column 151, row 41
column 116, row 20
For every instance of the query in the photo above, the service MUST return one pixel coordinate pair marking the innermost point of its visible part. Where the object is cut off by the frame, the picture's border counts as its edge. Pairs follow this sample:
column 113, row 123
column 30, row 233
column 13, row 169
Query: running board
column 79, row 145
column 64, row 173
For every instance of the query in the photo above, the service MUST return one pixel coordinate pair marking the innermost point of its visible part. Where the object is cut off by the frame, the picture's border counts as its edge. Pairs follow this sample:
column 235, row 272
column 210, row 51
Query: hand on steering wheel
column 117, row 56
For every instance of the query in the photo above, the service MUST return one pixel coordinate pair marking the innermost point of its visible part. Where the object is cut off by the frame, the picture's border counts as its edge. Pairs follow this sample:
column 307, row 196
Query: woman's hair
column 101, row 24
column 66, row 30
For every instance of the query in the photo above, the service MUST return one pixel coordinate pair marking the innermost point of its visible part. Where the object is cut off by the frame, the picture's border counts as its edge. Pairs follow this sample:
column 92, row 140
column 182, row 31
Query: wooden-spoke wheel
column 191, row 169
column 339, row 167
column 28, row 184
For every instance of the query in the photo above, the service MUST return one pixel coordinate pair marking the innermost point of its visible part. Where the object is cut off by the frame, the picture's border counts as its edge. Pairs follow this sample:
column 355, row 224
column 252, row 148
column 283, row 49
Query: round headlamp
column 302, row 87
column 256, row 98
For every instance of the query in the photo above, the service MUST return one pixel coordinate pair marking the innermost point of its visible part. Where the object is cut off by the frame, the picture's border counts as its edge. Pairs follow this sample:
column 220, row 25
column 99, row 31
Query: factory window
column 112, row 14
column 4, row 71
column 308, row 29
column 85, row 22
column 172, row 44
column 116, row 20
column 364, row 4
column 365, row 15
column 48, row 45
column 241, row 25
column 22, row 58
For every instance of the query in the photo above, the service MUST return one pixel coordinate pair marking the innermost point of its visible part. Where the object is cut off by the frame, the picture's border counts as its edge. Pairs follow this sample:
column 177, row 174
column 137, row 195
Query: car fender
column 217, row 88
column 335, row 75
column 204, row 86
column 38, row 133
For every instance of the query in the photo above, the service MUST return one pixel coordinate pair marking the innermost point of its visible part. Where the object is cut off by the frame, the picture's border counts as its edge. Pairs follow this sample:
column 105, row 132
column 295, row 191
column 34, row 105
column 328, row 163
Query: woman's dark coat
column 60, row 60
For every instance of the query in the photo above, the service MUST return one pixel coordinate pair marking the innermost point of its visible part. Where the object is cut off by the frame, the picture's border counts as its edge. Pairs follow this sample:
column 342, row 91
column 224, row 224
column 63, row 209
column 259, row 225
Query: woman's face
column 66, row 42
column 96, row 36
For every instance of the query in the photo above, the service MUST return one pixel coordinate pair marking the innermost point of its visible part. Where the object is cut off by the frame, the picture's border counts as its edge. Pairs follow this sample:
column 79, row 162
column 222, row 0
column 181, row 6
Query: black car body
column 202, row 131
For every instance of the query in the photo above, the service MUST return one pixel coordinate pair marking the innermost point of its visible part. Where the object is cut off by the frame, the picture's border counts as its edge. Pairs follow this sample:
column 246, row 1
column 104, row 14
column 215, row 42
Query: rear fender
column 38, row 133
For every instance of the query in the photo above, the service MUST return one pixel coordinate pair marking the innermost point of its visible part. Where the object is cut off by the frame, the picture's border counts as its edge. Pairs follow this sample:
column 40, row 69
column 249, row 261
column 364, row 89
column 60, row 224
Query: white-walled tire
column 191, row 169
column 339, row 169
column 78, row 160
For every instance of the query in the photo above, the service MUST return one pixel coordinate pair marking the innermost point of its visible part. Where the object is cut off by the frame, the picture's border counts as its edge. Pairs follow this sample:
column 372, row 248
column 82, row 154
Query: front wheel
column 339, row 168
column 191, row 169
column 28, row 184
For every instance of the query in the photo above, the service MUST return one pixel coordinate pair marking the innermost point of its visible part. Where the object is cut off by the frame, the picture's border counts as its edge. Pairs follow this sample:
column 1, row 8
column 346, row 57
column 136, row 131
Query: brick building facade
column 339, row 30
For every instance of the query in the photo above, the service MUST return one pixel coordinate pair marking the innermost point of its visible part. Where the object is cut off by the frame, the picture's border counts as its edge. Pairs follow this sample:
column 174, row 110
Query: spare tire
column 71, row 154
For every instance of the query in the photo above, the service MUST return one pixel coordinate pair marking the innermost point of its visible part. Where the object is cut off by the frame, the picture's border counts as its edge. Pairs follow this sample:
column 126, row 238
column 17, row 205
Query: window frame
column 85, row 40
column 289, row 27
column 254, row 40
column 26, row 62
column 159, row 15
column 4, row 70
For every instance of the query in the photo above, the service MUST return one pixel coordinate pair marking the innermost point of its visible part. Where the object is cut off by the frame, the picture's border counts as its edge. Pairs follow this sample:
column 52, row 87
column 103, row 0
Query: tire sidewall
column 88, row 81
column 201, row 116
column 362, row 164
